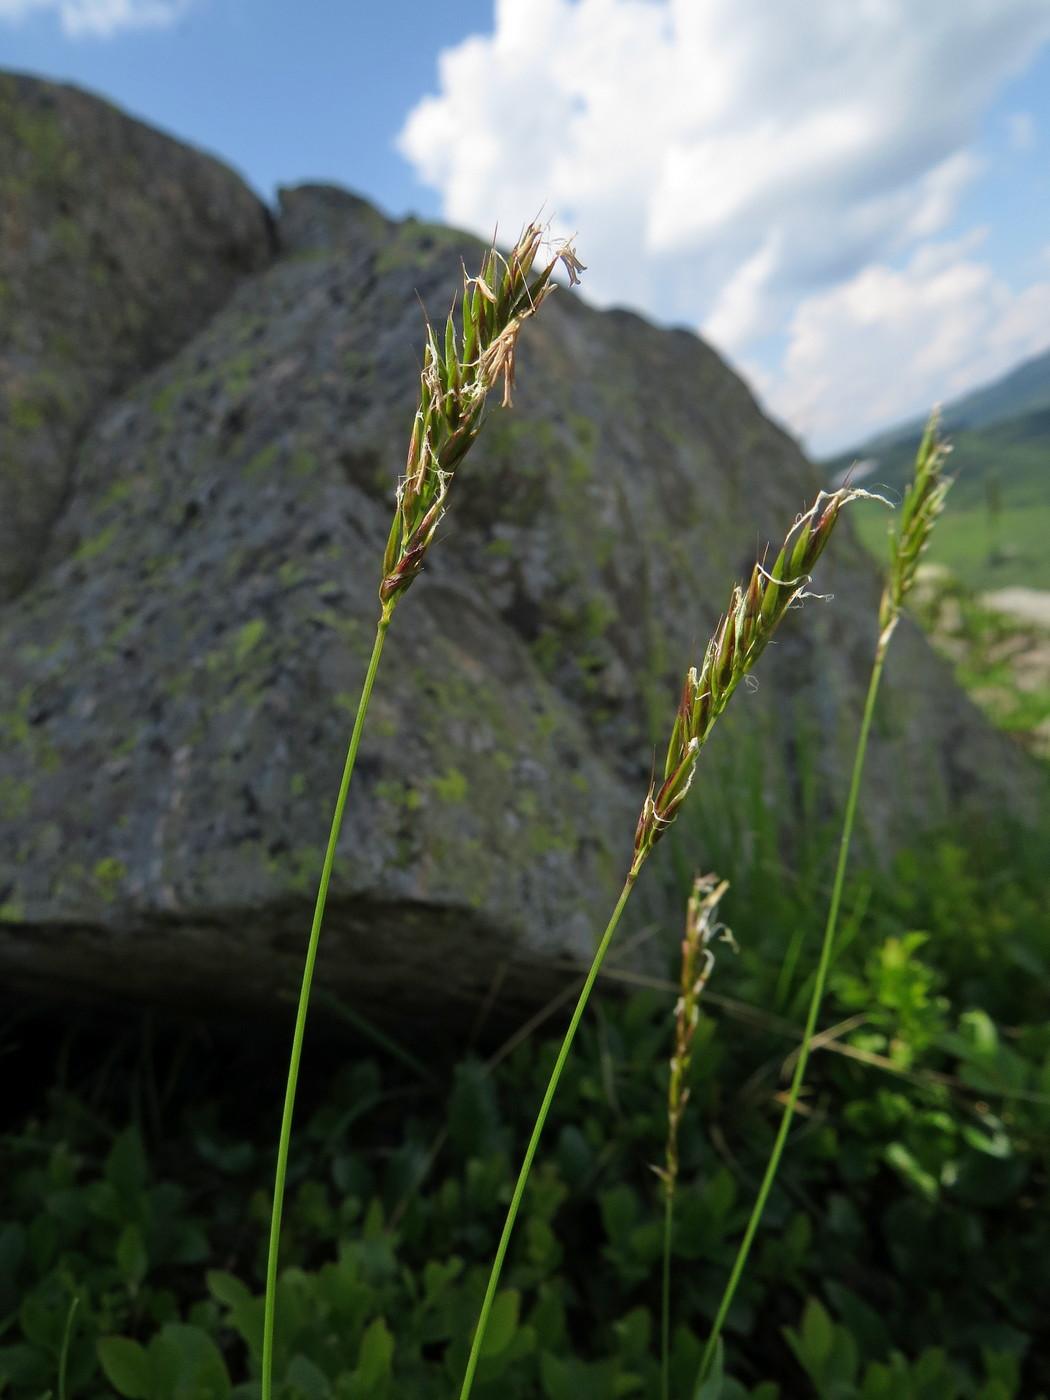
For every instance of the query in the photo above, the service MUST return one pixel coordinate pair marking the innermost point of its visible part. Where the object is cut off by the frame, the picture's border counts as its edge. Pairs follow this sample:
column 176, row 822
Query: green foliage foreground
column 907, row 1246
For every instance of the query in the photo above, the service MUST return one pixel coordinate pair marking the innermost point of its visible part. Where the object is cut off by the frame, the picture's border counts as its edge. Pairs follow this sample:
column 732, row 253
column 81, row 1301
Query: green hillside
column 997, row 523
column 1024, row 390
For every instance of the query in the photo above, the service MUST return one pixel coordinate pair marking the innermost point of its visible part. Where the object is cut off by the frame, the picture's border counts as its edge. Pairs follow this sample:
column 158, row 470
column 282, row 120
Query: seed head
column 701, row 927
column 459, row 369
column 923, row 503
column 740, row 638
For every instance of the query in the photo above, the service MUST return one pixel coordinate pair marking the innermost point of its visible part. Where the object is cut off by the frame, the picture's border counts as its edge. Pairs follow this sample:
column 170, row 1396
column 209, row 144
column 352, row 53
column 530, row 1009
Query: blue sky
column 849, row 198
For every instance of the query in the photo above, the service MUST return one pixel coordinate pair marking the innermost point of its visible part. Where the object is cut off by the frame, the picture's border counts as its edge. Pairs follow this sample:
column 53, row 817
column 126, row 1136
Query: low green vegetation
column 903, row 1249
column 907, row 1245
column 1001, row 653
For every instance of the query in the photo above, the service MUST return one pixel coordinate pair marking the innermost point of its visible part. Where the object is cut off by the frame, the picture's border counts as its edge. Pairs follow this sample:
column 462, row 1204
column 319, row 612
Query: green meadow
column 987, row 551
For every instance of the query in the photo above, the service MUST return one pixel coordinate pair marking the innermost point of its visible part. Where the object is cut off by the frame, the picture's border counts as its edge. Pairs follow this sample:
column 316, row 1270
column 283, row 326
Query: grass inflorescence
column 742, row 635
column 458, row 372
column 460, row 368
column 923, row 502
column 701, row 928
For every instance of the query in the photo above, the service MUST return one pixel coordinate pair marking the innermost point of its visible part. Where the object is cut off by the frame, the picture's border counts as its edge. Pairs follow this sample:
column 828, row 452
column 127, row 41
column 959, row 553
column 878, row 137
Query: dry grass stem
column 701, row 927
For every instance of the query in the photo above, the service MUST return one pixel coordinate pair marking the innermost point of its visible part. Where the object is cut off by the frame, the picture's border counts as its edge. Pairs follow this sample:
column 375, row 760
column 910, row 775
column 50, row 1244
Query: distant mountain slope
column 997, row 520
column 1024, row 390
column 1003, row 429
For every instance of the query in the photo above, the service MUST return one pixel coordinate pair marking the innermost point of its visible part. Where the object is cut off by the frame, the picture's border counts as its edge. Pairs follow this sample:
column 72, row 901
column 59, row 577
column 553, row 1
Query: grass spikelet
column 923, row 502
column 740, row 638
column 742, row 635
column 701, row 927
column 459, row 370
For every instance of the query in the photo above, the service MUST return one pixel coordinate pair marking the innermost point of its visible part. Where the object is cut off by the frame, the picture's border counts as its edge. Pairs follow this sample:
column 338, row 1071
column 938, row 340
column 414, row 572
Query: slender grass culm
column 742, row 635
column 923, row 502
column 63, row 1354
column 458, row 372
column 701, row 927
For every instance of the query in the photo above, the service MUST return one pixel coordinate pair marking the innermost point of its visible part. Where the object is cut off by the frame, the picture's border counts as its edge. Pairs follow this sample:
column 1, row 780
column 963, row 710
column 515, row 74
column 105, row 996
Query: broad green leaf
column 245, row 1313
column 503, row 1322
column 41, row 1322
column 840, row 1368
column 185, row 1364
column 554, row 1375
column 126, row 1368
column 711, row 1386
column 633, row 1334
column 126, row 1165
column 619, row 1209
column 883, row 1383
column 932, row 1377
column 376, row 1354
column 995, row 1390
column 132, row 1260
column 225, row 1288
column 818, row 1333
column 1004, row 1368
column 308, row 1380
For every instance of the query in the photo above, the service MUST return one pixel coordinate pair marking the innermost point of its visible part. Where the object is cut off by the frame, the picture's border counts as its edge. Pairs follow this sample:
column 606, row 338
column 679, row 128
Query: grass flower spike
column 458, row 372
column 701, row 927
column 739, row 640
column 742, row 636
column 923, row 502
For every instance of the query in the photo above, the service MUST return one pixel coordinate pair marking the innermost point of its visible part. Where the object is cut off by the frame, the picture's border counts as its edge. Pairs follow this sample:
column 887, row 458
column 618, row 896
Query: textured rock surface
column 182, row 670
column 116, row 245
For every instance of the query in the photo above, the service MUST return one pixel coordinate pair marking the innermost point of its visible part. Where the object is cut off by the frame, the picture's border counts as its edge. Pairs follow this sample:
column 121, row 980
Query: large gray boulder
column 180, row 674
column 116, row 245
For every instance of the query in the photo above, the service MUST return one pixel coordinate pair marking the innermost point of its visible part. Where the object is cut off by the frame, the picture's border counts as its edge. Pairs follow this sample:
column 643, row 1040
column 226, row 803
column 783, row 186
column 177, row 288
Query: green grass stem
column 63, row 1355
column 815, row 1000
column 665, row 1299
column 537, row 1131
column 459, row 369
column 922, row 504
column 304, row 1002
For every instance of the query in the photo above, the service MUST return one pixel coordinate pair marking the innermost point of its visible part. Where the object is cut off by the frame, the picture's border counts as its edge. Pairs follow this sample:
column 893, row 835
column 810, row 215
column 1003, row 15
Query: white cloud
column 99, row 17
column 726, row 162
column 885, row 223
column 889, row 342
